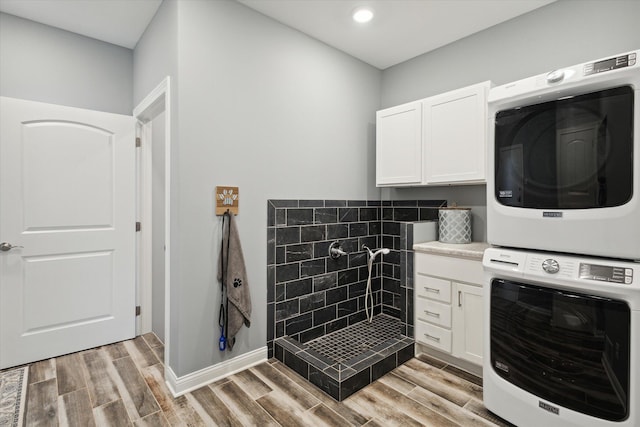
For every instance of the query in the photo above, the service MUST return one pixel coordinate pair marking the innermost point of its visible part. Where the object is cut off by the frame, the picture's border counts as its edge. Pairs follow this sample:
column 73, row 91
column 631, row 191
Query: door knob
column 4, row 246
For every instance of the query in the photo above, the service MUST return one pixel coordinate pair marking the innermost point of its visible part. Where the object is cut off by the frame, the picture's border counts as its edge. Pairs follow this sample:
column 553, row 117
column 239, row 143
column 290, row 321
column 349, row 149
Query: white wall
column 563, row 33
column 42, row 63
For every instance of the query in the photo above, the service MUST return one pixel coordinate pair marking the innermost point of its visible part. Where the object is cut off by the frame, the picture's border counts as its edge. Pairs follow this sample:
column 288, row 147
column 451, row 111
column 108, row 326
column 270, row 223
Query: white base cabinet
column 448, row 306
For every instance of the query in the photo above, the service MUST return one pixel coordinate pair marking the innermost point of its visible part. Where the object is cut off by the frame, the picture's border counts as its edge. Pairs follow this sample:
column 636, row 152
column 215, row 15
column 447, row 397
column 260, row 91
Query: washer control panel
column 606, row 273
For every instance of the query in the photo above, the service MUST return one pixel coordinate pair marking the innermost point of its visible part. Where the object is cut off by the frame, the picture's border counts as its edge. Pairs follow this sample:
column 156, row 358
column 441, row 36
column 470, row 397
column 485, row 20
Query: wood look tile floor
column 122, row 384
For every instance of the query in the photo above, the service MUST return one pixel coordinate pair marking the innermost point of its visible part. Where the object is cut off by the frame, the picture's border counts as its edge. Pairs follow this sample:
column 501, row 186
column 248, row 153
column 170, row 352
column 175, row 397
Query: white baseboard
column 181, row 385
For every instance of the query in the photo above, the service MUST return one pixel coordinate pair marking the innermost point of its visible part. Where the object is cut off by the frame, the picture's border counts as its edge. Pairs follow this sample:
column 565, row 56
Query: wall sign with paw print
column 227, row 199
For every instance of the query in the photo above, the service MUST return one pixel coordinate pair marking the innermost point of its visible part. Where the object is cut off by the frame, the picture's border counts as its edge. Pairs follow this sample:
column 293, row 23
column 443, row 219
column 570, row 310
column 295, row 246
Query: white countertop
column 473, row 250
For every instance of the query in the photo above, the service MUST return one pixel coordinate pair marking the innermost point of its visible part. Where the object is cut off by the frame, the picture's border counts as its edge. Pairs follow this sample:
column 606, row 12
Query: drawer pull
column 432, row 338
column 431, row 313
column 434, row 290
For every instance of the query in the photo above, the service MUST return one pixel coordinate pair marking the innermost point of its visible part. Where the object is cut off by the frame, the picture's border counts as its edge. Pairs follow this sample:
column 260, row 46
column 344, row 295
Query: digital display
column 605, row 273
column 609, row 64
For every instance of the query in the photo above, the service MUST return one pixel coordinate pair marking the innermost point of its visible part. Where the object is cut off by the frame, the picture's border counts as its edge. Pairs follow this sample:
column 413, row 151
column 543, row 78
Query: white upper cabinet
column 450, row 137
column 399, row 145
column 455, row 134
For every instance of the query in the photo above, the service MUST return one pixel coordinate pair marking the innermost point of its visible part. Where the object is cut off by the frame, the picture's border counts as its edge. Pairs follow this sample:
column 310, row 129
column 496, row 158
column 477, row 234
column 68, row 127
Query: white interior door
column 67, row 198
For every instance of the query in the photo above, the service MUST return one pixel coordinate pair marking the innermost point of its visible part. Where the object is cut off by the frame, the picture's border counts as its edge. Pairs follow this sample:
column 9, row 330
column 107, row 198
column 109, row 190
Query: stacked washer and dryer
column 562, row 278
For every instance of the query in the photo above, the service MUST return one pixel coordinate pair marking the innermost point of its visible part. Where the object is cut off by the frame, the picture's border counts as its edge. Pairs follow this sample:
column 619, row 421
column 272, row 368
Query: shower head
column 372, row 254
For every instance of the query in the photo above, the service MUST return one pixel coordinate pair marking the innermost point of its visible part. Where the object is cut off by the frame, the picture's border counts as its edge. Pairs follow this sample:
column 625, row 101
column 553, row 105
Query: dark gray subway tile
column 391, row 228
column 428, row 214
column 287, row 235
column 271, row 246
column 271, row 283
column 336, row 295
column 285, row 203
column 335, row 203
column 280, row 292
column 287, row 272
column 387, row 242
column 324, row 315
column 299, row 216
column 326, row 215
column 271, row 312
column 297, row 364
column 312, row 267
column 310, row 203
column 298, row 287
column 358, row 259
column 271, row 214
column 348, row 307
column 374, row 203
column 337, row 264
column 393, row 257
column 313, row 233
column 356, row 203
column 369, row 214
column 279, row 326
column 325, row 281
column 311, row 334
column 375, row 228
column 432, row 203
column 299, row 252
column 397, row 203
column 405, row 214
column 281, row 255
column 387, row 214
column 337, row 231
column 281, row 217
column 297, row 324
column 357, row 289
column 346, row 277
column 370, row 241
column 286, row 309
column 358, row 229
column 312, row 302
column 350, row 245
column 321, row 249
column 409, row 275
column 335, row 325
column 348, row 214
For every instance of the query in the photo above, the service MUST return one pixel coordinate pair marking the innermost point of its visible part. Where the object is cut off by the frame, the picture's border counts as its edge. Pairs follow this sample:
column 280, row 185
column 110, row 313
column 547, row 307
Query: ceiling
column 400, row 30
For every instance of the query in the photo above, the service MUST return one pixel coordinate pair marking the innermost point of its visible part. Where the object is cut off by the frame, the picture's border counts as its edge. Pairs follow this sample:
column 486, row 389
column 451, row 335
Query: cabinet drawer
column 433, row 335
column 433, row 288
column 433, row 312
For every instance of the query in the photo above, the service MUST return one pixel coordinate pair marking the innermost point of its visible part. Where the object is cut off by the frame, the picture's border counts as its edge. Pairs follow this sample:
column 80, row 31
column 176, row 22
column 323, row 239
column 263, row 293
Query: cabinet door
column 399, row 145
column 455, row 133
column 467, row 327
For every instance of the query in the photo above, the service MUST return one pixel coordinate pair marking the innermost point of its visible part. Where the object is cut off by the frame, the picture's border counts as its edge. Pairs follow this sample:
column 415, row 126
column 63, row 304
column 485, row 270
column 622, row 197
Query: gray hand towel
column 236, row 283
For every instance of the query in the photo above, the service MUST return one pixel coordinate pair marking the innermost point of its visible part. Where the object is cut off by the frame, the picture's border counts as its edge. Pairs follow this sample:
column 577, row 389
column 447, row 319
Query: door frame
column 156, row 102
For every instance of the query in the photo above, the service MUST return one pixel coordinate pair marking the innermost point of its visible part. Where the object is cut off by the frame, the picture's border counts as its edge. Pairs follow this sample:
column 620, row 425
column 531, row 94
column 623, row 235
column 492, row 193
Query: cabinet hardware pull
column 432, row 338
column 431, row 313
column 459, row 298
column 437, row 291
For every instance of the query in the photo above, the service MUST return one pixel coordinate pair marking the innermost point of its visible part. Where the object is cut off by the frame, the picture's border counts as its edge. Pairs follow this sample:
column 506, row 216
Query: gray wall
column 154, row 58
column 563, row 33
column 261, row 107
column 158, row 224
column 42, row 63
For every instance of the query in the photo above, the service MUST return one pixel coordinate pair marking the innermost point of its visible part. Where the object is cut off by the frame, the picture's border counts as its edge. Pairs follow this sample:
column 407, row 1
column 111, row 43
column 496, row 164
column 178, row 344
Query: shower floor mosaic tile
column 347, row 360
column 361, row 337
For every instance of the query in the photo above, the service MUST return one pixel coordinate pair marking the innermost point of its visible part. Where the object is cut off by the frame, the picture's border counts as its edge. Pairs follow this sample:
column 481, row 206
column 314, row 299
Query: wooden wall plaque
column 227, row 199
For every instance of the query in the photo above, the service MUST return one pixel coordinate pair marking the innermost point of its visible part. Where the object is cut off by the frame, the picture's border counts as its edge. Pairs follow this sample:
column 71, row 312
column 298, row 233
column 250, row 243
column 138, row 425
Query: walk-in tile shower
column 316, row 304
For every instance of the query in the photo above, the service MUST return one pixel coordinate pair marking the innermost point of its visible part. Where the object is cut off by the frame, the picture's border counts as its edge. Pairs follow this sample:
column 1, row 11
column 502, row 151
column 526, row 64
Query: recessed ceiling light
column 362, row 15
